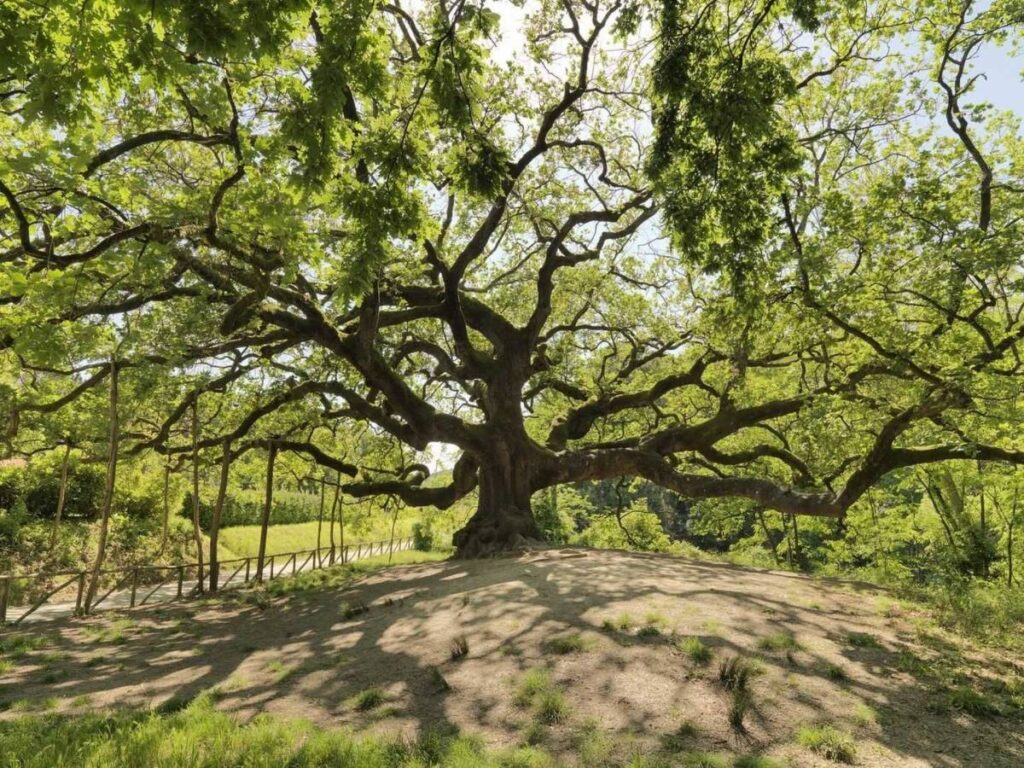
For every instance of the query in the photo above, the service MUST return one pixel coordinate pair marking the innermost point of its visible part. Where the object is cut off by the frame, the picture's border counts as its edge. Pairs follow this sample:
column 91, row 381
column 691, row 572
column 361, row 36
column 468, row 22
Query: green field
column 244, row 540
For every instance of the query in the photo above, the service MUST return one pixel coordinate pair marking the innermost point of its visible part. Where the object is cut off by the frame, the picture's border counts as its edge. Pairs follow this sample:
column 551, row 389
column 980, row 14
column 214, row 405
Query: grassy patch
column 963, row 698
column 779, row 641
column 835, row 672
column 114, row 633
column 199, row 734
column 621, row 623
column 862, row 640
column 572, row 643
column 282, row 672
column 695, row 648
column 648, row 630
column 17, row 646
column 540, row 693
column 738, row 707
column 829, row 742
column 704, row 760
column 755, row 761
column 366, row 700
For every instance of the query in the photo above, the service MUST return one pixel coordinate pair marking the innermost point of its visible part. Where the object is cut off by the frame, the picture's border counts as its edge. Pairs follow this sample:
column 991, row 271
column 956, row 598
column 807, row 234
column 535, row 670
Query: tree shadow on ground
column 310, row 655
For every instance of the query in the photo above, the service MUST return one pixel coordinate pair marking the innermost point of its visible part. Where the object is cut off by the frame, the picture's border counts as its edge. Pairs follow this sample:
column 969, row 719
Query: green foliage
column 695, row 648
column 830, row 743
column 734, row 673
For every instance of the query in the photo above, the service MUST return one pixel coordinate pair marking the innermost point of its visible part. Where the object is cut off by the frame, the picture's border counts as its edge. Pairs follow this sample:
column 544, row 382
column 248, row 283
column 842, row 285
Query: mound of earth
column 629, row 647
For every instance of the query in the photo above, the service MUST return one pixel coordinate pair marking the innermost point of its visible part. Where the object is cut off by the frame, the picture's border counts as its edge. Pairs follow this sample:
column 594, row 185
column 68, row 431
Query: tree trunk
column 196, row 532
column 218, row 509
column 334, row 510
column 503, row 520
column 108, row 492
column 167, row 507
column 61, row 495
column 268, row 502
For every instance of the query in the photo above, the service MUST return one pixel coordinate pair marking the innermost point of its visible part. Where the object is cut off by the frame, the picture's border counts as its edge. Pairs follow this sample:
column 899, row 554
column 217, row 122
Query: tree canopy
column 744, row 249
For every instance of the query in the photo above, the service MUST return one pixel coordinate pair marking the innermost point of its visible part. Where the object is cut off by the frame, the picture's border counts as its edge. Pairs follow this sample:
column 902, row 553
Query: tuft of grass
column 779, row 641
column 704, row 760
column 835, row 672
column 695, row 648
column 18, row 645
column 114, row 633
column 538, row 691
column 734, row 673
column 755, row 761
column 621, row 623
column 741, row 702
column 551, row 707
column 573, row 643
column 459, row 648
column 829, row 742
column 648, row 630
column 681, row 738
column 963, row 698
column 593, row 745
column 6, row 665
column 281, row 671
column 369, row 699
column 351, row 610
column 864, row 715
column 862, row 640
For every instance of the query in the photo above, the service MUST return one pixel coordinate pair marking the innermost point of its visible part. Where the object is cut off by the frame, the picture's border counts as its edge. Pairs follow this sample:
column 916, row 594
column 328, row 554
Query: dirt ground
column 307, row 656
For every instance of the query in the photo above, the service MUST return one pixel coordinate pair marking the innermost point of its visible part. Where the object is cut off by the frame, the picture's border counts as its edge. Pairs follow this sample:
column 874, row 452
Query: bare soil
column 307, row 656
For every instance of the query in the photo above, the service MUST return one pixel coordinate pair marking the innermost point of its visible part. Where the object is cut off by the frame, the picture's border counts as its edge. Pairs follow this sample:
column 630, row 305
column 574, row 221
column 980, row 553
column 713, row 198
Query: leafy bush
column 245, row 507
column 37, row 485
column 422, row 537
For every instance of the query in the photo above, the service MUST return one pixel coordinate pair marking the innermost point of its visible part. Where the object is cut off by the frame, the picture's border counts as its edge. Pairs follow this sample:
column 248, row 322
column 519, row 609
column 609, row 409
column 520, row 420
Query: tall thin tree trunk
column 218, row 509
column 196, row 531
column 317, row 560
column 108, row 492
column 167, row 507
column 767, row 535
column 334, row 512
column 61, row 495
column 391, row 546
column 265, row 521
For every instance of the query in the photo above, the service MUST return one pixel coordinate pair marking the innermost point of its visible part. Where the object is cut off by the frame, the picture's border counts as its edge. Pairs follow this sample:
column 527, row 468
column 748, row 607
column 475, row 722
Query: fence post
column 135, row 586
column 5, row 590
column 248, row 560
column 181, row 579
column 295, row 560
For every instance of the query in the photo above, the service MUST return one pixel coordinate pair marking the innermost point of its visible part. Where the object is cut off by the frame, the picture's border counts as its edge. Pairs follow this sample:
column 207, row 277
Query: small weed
column 734, row 673
column 535, row 734
column 81, row 701
column 6, row 665
column 695, row 648
column 351, row 610
column 648, row 630
column 593, row 746
column 741, row 702
column 864, row 715
column 909, row 662
column 862, row 640
column 538, row 691
column 459, row 648
column 369, row 699
column 830, row 743
column 574, row 643
column 780, row 641
column 533, row 683
column 621, row 623
column 656, row 619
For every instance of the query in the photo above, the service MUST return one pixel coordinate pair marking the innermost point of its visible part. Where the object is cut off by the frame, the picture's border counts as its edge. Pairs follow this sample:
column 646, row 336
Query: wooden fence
column 144, row 584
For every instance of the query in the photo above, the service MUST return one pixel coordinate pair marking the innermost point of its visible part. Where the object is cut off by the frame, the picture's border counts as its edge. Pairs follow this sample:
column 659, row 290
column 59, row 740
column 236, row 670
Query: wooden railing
column 144, row 584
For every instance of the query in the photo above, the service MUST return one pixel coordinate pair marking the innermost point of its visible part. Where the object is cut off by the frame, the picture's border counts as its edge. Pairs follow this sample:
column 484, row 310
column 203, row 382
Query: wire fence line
column 28, row 597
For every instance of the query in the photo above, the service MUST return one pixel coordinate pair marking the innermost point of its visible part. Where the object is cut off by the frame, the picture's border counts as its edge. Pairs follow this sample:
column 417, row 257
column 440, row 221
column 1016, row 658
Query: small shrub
column 369, row 699
column 741, row 702
column 734, row 673
column 574, row 643
column 830, row 743
column 780, row 641
column 459, row 648
column 422, row 537
column 695, row 648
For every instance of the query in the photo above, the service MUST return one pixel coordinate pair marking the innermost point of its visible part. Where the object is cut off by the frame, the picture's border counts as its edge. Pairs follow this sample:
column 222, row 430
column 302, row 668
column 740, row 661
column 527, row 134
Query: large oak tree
column 740, row 249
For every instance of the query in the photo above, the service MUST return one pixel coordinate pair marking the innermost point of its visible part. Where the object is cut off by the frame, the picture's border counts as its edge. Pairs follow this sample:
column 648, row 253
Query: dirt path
column 856, row 660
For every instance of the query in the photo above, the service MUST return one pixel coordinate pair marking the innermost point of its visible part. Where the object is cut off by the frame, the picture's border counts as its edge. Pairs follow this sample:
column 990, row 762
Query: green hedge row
column 246, row 507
